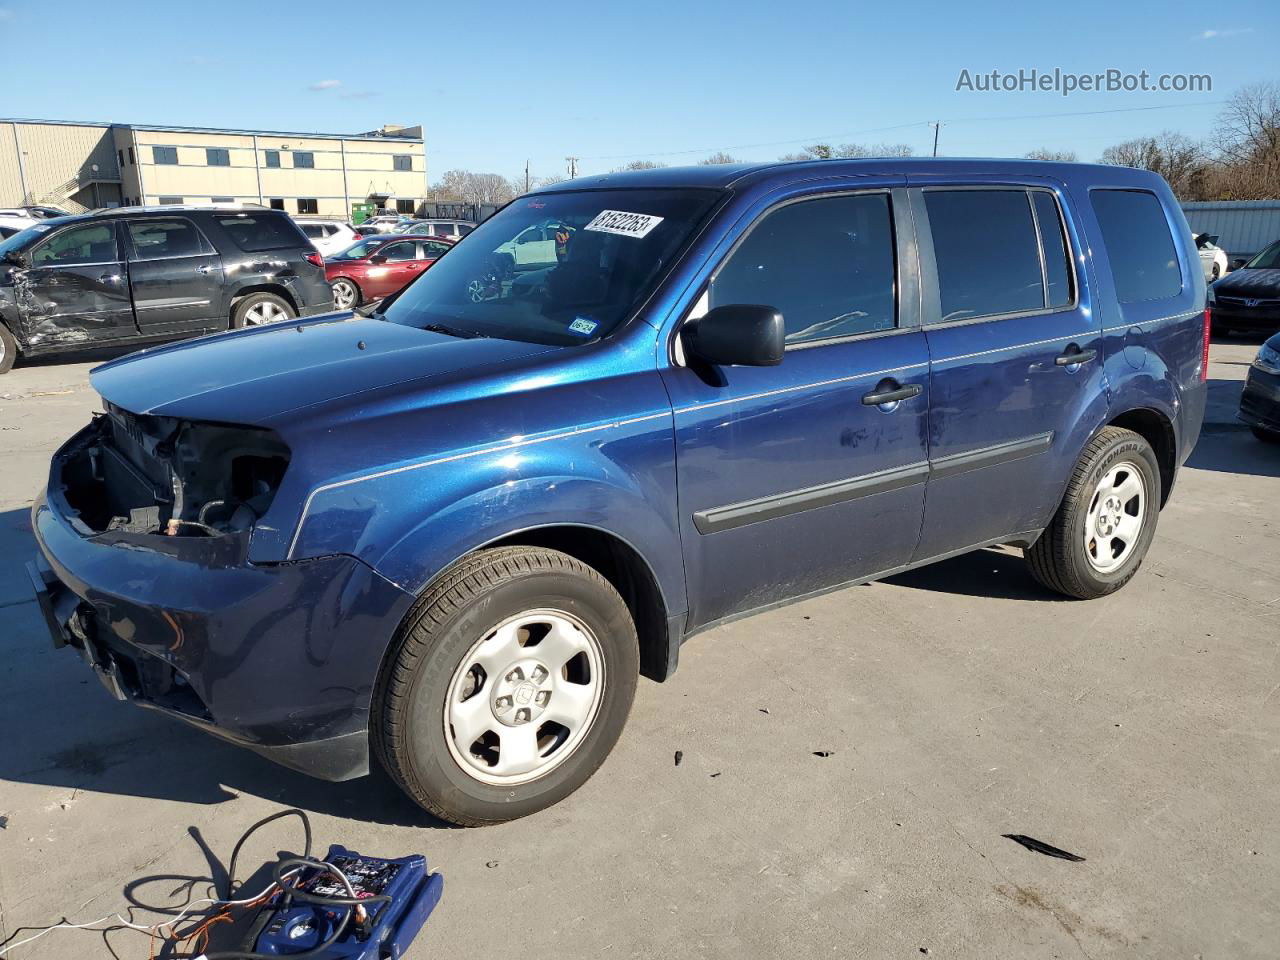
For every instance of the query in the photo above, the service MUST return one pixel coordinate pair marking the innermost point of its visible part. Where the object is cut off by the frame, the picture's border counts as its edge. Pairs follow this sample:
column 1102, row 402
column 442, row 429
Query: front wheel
column 346, row 294
column 1104, row 527
column 510, row 682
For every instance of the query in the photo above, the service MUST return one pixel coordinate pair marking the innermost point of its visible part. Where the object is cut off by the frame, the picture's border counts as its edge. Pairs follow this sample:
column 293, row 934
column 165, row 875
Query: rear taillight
column 1204, row 354
column 315, row 258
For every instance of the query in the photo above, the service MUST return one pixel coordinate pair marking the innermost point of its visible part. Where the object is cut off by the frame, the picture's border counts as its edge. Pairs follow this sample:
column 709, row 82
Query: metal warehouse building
column 1243, row 227
column 80, row 166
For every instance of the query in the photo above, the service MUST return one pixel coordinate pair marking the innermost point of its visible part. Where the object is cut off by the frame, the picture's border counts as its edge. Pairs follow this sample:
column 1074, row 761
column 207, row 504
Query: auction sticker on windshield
column 624, row 224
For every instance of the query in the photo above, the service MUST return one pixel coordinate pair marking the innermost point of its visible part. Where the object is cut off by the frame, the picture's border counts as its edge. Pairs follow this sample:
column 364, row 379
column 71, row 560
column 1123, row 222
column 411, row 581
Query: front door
column 176, row 276
column 76, row 289
column 1015, row 362
column 792, row 478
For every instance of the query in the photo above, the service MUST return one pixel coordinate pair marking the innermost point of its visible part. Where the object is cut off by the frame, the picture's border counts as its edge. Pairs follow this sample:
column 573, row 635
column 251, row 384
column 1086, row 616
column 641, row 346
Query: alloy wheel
column 265, row 312
column 524, row 697
column 344, row 294
column 1115, row 517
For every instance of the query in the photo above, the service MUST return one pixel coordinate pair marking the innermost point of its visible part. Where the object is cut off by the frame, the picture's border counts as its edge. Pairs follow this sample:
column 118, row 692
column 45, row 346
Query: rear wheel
column 345, row 293
column 261, row 308
column 1217, row 271
column 1104, row 527
column 510, row 683
column 8, row 349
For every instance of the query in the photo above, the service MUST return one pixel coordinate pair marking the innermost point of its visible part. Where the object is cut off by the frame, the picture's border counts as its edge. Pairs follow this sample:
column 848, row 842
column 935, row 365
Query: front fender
column 410, row 525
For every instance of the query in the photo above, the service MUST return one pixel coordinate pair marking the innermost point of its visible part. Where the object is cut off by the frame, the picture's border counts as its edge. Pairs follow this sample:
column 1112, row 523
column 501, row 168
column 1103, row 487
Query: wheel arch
column 1157, row 429
column 626, row 569
column 280, row 290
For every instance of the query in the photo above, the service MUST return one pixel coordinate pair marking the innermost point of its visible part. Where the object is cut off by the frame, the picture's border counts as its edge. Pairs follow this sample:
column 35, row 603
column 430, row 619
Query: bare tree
column 638, row 165
column 1058, row 156
column 468, row 187
column 1248, row 143
column 718, row 157
column 1176, row 157
column 825, row 151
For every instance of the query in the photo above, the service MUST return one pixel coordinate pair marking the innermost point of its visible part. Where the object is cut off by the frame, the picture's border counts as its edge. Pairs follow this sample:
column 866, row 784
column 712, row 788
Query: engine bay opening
column 178, row 478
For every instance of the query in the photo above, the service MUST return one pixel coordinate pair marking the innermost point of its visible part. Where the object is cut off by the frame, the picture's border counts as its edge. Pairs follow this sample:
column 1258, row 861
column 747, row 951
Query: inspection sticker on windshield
column 624, row 224
column 583, row 326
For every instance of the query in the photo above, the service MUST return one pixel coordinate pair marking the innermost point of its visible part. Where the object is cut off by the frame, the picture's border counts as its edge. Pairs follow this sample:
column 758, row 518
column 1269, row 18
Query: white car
column 328, row 236
column 1213, row 259
column 11, row 223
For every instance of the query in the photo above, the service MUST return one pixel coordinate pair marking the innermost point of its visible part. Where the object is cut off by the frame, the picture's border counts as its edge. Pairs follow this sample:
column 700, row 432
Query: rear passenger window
column 255, row 233
column 165, row 239
column 988, row 256
column 826, row 264
column 1057, row 266
column 1139, row 245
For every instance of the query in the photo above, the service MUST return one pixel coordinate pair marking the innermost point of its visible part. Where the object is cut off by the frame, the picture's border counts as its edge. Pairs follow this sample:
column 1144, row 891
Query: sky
column 497, row 84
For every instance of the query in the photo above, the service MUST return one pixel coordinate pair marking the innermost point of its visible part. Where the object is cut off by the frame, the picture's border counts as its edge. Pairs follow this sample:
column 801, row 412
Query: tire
column 8, row 349
column 1262, row 433
column 434, row 670
column 258, row 309
column 1067, row 560
column 346, row 293
column 1217, row 271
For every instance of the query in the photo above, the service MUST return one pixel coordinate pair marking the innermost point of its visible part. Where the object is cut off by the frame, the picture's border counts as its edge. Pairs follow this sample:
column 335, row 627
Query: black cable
column 235, row 852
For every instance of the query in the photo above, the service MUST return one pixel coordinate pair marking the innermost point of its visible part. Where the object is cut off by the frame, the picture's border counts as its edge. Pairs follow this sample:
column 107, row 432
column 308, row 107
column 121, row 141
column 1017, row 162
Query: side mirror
column 377, row 258
column 738, row 334
column 1238, row 262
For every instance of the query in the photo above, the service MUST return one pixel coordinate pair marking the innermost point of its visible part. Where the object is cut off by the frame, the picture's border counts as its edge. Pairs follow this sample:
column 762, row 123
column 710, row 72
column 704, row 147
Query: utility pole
column 573, row 166
column 936, row 128
column 526, row 176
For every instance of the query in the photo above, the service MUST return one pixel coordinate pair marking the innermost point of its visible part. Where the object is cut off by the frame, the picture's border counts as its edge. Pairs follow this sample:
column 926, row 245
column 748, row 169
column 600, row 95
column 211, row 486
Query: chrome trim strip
column 511, row 444
column 1017, row 346
column 735, row 515
column 958, row 463
column 1185, row 315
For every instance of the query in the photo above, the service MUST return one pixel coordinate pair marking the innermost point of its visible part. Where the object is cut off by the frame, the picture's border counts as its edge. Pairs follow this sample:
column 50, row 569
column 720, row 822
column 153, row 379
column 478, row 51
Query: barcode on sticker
column 624, row 224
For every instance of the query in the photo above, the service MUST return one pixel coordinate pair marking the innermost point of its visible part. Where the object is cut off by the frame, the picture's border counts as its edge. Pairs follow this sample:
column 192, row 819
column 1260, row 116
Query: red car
column 378, row 266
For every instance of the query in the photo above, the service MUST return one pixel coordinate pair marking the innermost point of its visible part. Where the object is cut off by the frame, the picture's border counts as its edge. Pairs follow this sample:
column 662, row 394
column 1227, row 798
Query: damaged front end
column 162, row 475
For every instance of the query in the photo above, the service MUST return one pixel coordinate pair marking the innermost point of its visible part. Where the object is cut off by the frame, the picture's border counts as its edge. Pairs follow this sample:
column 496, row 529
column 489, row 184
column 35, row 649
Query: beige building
column 86, row 165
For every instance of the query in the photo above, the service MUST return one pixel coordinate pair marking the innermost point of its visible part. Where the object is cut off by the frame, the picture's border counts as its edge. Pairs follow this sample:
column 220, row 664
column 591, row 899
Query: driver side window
column 826, row 264
column 89, row 243
column 398, row 252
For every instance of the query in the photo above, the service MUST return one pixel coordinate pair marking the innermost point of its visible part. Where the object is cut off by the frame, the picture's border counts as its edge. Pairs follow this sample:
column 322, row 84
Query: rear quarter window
column 1139, row 244
column 256, row 232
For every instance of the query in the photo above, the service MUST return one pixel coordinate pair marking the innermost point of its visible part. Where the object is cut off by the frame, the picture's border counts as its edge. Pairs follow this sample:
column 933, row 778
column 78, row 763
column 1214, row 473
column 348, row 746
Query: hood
column 1264, row 284
column 254, row 376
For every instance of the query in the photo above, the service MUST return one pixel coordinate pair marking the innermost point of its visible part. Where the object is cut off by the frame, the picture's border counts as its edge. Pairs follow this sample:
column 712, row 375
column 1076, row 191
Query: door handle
column 109, row 278
column 1072, row 357
column 893, row 395
column 206, row 269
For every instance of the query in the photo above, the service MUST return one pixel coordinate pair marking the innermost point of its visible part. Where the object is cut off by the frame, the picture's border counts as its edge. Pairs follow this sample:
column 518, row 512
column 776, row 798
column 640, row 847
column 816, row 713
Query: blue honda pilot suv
column 452, row 533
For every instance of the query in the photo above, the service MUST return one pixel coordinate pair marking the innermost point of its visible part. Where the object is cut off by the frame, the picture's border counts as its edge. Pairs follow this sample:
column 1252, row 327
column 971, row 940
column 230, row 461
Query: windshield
column 558, row 268
column 1268, row 259
column 358, row 251
column 24, row 238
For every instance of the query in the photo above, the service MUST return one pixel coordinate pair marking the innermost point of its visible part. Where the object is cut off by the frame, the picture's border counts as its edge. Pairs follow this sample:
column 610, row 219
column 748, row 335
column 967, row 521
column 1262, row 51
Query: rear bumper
column 279, row 658
column 1260, row 401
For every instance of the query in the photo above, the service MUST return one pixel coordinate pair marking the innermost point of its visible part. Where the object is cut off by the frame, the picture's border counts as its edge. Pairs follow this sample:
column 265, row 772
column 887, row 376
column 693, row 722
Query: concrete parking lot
column 950, row 706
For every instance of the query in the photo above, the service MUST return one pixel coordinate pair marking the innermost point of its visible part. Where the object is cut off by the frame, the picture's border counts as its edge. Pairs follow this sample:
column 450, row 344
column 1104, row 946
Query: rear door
column 791, row 478
column 175, row 274
column 1014, row 353
column 76, row 289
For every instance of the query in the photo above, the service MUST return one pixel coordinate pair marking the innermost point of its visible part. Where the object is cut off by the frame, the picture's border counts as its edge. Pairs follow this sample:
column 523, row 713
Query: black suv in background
column 152, row 273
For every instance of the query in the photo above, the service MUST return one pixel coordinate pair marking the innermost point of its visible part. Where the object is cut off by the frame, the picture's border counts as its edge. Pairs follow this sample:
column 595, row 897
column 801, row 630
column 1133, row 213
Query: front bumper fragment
column 279, row 658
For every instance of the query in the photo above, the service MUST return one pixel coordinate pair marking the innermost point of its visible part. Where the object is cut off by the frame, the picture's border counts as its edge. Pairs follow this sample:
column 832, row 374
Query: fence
column 1243, row 227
